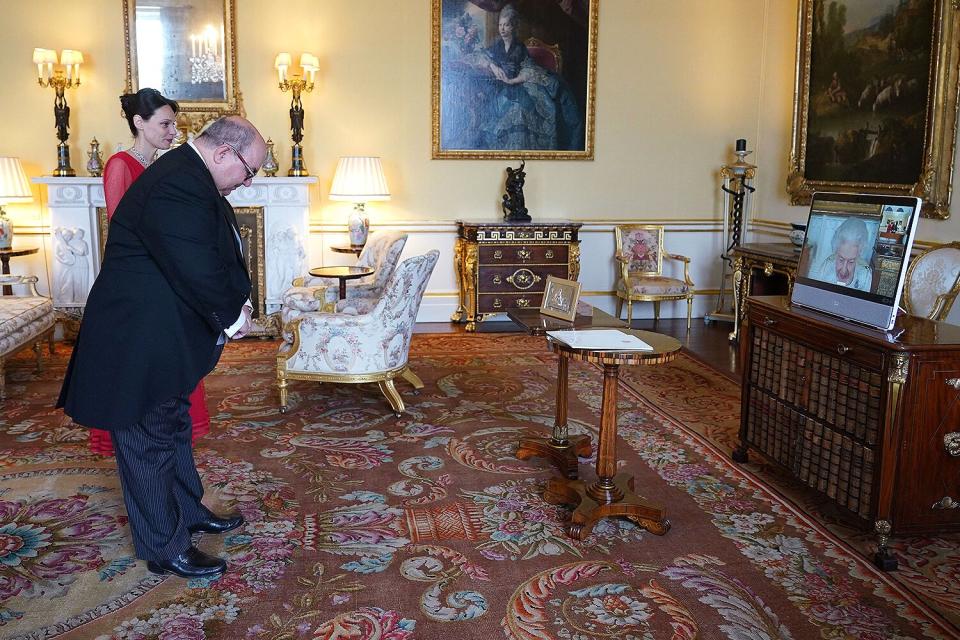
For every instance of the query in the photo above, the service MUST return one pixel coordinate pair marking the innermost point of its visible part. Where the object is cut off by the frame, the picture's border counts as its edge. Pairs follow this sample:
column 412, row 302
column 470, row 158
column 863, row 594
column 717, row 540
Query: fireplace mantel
column 73, row 204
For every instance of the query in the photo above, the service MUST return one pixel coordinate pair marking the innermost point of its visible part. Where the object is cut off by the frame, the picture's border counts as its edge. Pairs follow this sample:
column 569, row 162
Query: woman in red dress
column 153, row 122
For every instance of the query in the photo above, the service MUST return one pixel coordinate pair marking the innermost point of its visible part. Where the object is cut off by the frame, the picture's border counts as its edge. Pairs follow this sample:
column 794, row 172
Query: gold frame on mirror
column 574, row 21
column 194, row 113
column 551, row 306
column 814, row 148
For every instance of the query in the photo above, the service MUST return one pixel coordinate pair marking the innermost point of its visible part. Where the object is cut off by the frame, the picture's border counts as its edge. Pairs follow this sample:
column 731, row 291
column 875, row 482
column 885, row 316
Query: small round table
column 342, row 274
column 612, row 494
column 5, row 255
column 355, row 249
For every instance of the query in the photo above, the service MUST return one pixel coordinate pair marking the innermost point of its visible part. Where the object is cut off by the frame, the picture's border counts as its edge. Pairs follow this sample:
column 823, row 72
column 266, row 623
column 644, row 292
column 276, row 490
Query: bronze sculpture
column 513, row 205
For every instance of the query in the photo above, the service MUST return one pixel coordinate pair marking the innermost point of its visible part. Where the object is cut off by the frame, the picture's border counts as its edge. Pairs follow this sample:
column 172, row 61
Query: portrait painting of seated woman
column 495, row 95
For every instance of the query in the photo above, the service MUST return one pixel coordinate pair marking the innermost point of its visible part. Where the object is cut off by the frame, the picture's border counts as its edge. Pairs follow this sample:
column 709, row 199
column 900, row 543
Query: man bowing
column 173, row 287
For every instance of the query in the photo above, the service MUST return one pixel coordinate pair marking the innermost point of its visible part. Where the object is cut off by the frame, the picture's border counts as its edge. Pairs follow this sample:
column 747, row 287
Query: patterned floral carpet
column 361, row 526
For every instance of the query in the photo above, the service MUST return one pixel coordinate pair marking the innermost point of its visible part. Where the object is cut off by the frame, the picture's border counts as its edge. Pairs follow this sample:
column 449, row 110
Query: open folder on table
column 600, row 340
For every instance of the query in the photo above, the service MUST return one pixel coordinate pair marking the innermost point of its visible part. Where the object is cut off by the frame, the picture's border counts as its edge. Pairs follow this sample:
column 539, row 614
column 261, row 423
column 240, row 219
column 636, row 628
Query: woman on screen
column 846, row 265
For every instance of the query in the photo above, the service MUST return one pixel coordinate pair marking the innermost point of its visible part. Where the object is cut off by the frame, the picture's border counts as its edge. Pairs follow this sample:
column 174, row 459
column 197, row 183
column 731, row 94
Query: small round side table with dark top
column 5, row 255
column 355, row 249
column 612, row 494
column 342, row 274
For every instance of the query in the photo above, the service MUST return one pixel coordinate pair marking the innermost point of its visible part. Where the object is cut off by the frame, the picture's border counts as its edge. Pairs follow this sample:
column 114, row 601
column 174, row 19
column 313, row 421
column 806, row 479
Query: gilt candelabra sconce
column 60, row 80
column 296, row 85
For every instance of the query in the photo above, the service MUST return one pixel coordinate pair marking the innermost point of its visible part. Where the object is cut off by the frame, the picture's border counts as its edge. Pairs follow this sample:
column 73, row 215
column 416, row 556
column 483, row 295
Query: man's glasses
column 250, row 172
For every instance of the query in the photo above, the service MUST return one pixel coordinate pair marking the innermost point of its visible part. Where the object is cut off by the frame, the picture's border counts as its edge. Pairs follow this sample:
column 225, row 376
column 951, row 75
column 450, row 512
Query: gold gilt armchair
column 640, row 255
column 933, row 281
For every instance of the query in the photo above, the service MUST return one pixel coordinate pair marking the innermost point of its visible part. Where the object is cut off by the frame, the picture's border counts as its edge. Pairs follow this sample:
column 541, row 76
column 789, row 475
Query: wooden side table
column 342, row 274
column 355, row 249
column 612, row 494
column 560, row 448
column 5, row 255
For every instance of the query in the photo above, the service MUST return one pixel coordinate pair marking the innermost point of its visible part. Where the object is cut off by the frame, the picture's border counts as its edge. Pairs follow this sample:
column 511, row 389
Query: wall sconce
column 309, row 63
column 13, row 188
column 359, row 179
column 59, row 79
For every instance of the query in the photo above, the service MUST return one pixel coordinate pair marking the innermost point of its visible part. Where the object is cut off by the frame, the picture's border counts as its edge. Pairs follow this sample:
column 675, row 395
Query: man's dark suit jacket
column 172, row 280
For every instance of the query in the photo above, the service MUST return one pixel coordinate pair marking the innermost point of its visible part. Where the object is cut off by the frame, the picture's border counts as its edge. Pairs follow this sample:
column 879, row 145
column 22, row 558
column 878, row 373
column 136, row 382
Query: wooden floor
column 707, row 342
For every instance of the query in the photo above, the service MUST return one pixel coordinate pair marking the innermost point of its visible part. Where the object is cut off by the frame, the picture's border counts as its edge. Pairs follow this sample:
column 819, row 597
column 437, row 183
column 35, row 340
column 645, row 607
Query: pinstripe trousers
column 161, row 486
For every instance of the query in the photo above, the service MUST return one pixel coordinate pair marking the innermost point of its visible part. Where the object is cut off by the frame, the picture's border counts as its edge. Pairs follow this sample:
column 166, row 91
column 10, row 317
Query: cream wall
column 677, row 82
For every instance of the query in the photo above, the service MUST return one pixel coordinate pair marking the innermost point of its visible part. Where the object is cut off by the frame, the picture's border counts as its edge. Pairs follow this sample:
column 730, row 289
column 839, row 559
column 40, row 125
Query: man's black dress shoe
column 216, row 524
column 192, row 563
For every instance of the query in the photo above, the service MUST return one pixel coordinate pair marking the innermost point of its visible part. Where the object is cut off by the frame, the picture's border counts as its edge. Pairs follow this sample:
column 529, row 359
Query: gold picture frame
column 560, row 298
column 861, row 109
column 477, row 116
column 205, row 87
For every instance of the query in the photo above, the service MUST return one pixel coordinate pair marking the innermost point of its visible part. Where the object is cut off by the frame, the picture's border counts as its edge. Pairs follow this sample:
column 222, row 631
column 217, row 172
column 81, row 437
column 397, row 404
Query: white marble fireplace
column 77, row 213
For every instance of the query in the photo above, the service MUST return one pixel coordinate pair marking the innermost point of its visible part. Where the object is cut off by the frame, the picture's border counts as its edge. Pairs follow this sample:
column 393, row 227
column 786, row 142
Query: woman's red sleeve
column 117, row 178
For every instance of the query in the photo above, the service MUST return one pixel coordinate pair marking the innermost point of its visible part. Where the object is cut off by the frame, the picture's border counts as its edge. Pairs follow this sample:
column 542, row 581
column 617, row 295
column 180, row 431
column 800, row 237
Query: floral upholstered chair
column 310, row 293
column 369, row 346
column 639, row 256
column 25, row 320
column 933, row 281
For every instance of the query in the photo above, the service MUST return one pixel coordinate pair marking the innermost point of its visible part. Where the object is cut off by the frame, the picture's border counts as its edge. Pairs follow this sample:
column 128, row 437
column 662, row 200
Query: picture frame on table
column 875, row 104
column 533, row 99
column 560, row 298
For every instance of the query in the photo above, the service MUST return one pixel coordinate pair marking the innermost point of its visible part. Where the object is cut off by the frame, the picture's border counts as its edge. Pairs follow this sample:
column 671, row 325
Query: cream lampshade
column 13, row 188
column 359, row 179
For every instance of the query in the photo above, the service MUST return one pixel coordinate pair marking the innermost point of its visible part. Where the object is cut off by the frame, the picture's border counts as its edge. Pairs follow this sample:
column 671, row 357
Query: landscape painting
column 867, row 74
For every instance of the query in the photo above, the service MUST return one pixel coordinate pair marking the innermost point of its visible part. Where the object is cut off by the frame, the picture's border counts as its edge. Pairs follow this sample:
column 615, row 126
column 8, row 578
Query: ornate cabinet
column 761, row 268
column 870, row 419
column 504, row 265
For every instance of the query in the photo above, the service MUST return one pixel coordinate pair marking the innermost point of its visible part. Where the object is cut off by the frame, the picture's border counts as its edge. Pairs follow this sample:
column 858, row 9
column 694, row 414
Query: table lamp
column 359, row 179
column 13, row 188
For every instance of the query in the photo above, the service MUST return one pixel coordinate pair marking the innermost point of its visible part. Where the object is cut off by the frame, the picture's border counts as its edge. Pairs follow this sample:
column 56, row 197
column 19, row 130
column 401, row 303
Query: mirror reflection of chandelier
column 206, row 56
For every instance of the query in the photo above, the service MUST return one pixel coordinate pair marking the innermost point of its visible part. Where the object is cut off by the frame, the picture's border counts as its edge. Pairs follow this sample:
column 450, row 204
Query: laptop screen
column 855, row 254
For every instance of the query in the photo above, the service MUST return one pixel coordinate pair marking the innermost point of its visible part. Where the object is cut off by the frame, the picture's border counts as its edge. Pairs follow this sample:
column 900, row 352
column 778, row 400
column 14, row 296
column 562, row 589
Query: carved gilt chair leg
column 393, row 396
column 282, row 388
column 412, row 378
column 689, row 311
column 619, row 306
column 629, row 312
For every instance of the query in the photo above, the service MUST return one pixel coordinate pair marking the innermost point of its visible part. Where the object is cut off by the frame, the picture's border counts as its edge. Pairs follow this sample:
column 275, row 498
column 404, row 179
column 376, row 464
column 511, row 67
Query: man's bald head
column 229, row 146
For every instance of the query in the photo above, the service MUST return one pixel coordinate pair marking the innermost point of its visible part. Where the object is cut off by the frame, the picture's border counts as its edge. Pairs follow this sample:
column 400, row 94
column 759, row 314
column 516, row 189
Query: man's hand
column 247, row 325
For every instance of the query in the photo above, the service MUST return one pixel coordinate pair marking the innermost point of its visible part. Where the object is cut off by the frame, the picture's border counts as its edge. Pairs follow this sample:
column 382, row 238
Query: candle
column 68, row 72
column 193, row 46
column 76, row 73
column 49, row 70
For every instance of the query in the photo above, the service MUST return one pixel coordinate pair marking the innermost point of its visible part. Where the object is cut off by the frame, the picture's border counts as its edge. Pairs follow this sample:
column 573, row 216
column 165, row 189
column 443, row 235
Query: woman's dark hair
column 144, row 103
